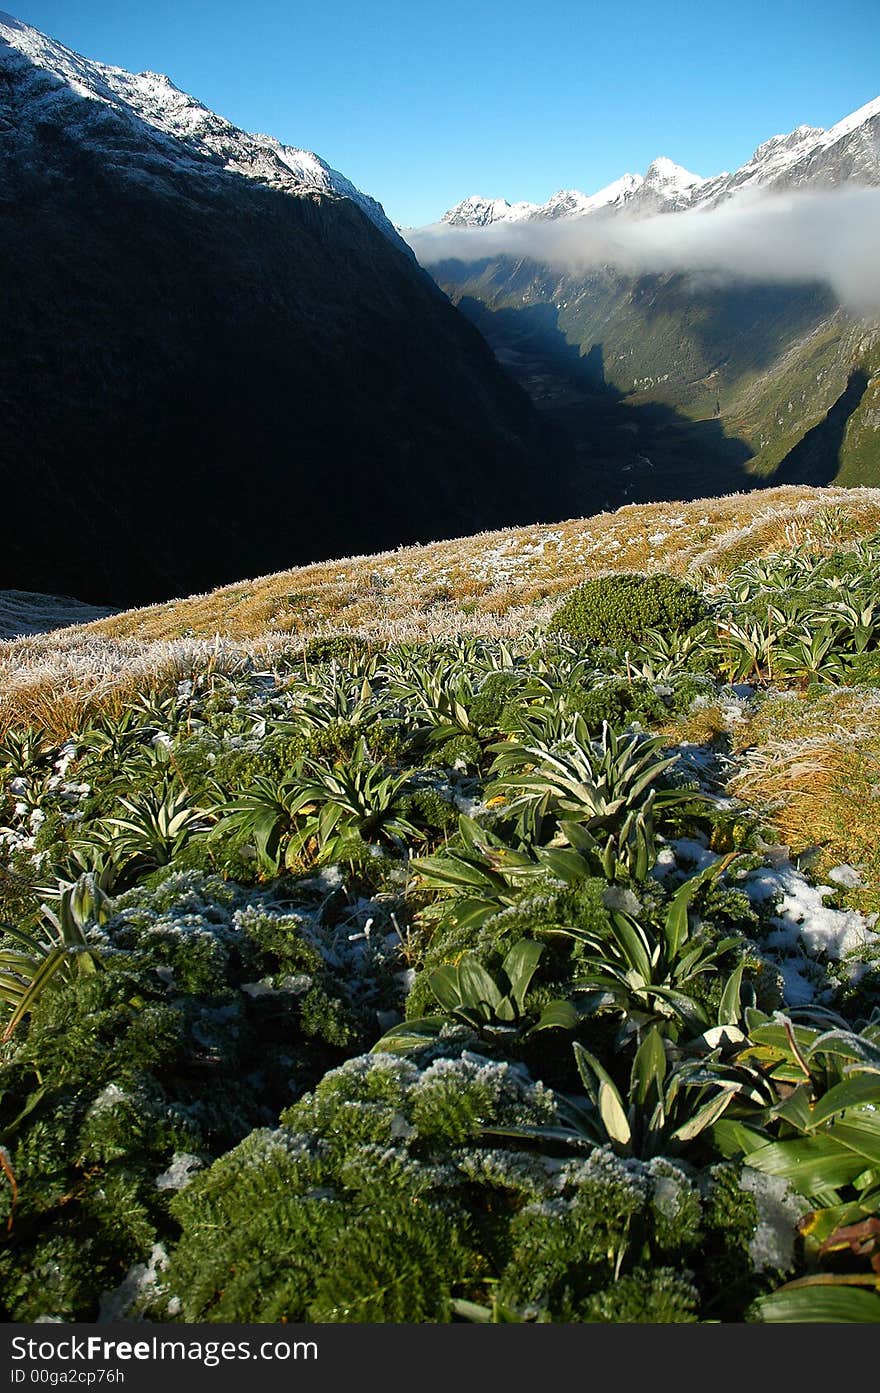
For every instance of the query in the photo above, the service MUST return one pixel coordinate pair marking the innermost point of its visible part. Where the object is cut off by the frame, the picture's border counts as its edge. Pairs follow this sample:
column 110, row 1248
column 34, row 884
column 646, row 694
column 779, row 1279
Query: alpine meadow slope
column 477, row 932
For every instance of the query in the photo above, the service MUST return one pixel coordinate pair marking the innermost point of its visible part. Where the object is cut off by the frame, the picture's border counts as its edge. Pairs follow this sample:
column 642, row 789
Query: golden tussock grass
column 501, row 572
column 496, row 584
column 817, row 778
column 704, row 726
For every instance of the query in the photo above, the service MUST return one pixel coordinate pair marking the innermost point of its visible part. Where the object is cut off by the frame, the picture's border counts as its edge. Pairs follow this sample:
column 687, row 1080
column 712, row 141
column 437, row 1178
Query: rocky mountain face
column 665, row 379
column 218, row 358
column 807, row 158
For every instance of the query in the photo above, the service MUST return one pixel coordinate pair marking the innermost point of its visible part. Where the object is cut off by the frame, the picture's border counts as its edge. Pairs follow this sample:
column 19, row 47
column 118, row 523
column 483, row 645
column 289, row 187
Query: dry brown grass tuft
column 705, row 725
column 813, row 766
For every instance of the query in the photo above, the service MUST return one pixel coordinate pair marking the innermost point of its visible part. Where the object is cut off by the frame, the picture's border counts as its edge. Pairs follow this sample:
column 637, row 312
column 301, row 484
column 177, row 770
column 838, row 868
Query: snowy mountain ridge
column 848, row 151
column 190, row 135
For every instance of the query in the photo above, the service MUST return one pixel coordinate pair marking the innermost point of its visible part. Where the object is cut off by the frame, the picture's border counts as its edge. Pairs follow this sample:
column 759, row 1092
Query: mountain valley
column 708, row 381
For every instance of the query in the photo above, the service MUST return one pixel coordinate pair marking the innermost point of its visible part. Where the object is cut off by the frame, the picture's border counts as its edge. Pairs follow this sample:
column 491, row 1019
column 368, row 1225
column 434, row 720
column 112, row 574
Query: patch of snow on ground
column 140, row 1283
column 846, row 876
column 695, row 856
column 180, row 1172
column 779, row 1208
column 802, row 917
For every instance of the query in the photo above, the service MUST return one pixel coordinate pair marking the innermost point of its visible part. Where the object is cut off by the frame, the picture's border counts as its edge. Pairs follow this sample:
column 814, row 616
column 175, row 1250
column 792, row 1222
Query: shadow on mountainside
column 206, row 378
column 630, row 453
column 740, row 328
column 816, row 458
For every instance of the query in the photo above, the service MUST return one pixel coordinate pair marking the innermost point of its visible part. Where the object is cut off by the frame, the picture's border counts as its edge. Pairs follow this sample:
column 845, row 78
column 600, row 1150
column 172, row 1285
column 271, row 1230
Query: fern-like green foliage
column 385, row 1196
column 213, row 1010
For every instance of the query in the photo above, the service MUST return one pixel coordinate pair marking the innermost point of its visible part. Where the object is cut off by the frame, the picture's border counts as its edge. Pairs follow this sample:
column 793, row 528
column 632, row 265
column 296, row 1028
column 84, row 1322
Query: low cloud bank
column 831, row 236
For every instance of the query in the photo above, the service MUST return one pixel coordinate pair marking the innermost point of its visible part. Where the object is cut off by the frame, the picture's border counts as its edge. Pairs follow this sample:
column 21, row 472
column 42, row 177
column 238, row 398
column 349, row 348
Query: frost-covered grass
column 468, row 978
column 811, row 762
column 497, row 585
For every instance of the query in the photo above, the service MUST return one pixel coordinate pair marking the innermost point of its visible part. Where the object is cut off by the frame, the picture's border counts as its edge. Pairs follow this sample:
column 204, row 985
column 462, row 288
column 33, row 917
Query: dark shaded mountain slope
column 202, row 377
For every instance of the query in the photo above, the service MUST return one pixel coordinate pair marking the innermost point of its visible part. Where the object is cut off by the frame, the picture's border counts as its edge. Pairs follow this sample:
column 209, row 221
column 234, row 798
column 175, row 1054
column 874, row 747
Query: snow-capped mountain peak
column 187, row 132
column 613, row 195
column 857, row 120
column 665, row 174
column 477, row 211
column 664, row 183
column 807, row 157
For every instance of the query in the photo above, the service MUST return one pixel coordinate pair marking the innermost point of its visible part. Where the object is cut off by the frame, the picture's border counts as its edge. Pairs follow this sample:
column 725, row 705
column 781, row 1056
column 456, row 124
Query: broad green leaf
column 847, row 1045
column 451, row 871
column 54, row 960
column 606, row 1096
column 776, row 1035
column 565, row 865
column 470, row 913
column 410, row 1035
column 475, row 986
column 734, row 1138
column 649, row 1067
column 850, row 1093
column 796, row 1109
column 580, row 837
column 810, row 1164
column 520, row 965
column 859, row 1131
column 704, row 1116
column 444, row 984
column 34, row 1101
column 719, row 1037
column 729, row 1007
column 586, row 1069
column 690, row 1011
column 822, row 1223
column 633, row 944
column 826, row 1304
column 469, row 1310
column 561, row 1015
column 612, row 1113
column 676, row 922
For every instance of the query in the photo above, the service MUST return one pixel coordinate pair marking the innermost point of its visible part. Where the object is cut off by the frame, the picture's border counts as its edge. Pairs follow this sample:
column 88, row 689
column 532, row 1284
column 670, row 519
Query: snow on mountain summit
column 476, row 211
column 664, row 184
column 664, row 173
column 807, row 157
column 189, row 131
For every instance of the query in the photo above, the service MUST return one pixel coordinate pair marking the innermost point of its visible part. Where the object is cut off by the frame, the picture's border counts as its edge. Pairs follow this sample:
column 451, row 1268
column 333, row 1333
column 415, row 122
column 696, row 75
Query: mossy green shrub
column 213, row 1009
column 426, row 807
column 384, row 1196
column 340, row 739
column 99, row 1130
column 336, row 648
column 461, row 751
column 617, row 701
column 620, row 610
column 685, row 689
column 863, row 670
column 235, row 767
column 496, row 695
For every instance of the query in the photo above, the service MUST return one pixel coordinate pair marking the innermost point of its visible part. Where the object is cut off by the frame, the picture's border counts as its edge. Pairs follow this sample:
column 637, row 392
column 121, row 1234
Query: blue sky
column 422, row 103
